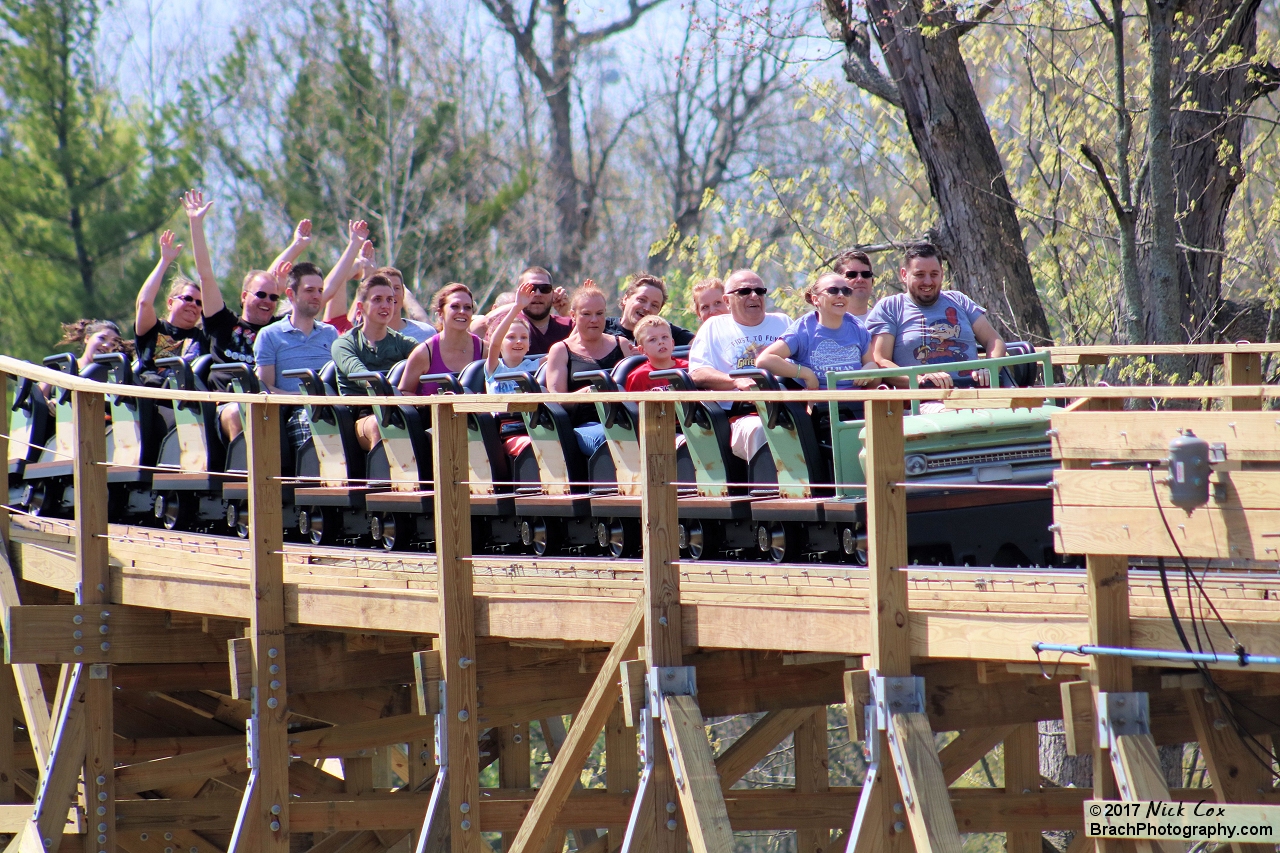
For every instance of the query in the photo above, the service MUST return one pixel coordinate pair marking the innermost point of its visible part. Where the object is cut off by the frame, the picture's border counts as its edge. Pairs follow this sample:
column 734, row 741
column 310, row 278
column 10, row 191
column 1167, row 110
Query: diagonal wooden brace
column 57, row 790
column 1124, row 729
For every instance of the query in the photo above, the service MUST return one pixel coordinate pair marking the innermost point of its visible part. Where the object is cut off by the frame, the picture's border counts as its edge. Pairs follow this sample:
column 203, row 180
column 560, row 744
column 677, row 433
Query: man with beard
column 545, row 328
column 929, row 325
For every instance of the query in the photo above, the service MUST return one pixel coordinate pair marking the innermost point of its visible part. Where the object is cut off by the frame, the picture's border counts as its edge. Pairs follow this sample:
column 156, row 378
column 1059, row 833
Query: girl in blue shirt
column 823, row 340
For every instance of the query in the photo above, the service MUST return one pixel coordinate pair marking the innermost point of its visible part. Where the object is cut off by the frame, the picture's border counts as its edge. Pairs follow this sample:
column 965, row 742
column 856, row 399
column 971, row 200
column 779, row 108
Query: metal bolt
column 465, row 824
column 79, row 650
column 102, row 796
column 1219, row 724
column 897, row 808
column 103, row 629
column 275, row 809
column 271, row 703
column 102, row 839
column 102, row 780
column 101, row 810
column 671, row 808
column 76, row 635
column 662, row 620
column 424, row 755
column 1119, row 700
column 463, row 715
column 168, row 836
column 671, row 824
column 275, row 685
column 899, row 826
column 465, row 808
column 77, row 619
column 518, row 738
column 275, row 826
column 102, row 827
column 272, row 653
column 105, row 646
column 274, row 669
column 464, row 662
column 143, row 837
column 106, row 614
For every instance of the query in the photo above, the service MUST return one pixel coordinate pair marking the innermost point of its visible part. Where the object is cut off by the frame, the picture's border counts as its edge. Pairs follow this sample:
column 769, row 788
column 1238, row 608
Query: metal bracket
column 669, row 681
column 634, row 830
column 870, row 735
column 441, row 740
column 251, row 742
column 1122, row 714
column 1217, row 452
column 896, row 695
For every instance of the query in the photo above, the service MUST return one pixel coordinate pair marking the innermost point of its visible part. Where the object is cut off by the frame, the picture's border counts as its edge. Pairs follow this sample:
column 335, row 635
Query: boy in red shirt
column 653, row 338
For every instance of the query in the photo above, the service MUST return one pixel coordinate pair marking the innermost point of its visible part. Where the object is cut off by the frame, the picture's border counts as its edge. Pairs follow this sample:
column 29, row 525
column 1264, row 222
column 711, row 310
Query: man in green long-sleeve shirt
column 374, row 345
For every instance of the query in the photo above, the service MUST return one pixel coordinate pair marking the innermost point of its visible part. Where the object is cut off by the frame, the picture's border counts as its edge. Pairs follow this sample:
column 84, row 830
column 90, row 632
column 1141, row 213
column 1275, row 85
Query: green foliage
column 359, row 134
column 84, row 183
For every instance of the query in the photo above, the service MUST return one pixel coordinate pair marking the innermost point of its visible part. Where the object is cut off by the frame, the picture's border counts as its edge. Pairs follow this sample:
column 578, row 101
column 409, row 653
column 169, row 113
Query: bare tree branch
column 981, row 15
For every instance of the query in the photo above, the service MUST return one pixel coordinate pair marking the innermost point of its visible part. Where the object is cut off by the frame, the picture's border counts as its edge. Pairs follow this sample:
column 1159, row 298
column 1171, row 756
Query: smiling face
column 259, row 298
column 640, row 303
column 186, row 307
column 832, row 295
column 306, row 296
column 515, row 343
column 746, row 294
column 457, row 311
column 589, row 316
column 923, row 280
column 855, row 272
column 711, row 303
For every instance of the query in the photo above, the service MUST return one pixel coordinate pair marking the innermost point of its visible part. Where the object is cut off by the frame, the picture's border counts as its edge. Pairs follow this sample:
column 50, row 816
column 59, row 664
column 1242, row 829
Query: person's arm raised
column 336, row 280
column 524, row 296
column 196, row 207
column 145, row 306
column 301, row 240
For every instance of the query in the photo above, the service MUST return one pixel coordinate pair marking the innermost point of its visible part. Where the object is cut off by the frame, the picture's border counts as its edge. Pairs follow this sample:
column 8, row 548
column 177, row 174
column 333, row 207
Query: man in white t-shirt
column 731, row 342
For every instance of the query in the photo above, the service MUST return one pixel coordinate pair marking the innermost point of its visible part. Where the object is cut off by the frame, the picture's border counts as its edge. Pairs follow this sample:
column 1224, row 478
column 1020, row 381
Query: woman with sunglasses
column 179, row 333
column 828, row 338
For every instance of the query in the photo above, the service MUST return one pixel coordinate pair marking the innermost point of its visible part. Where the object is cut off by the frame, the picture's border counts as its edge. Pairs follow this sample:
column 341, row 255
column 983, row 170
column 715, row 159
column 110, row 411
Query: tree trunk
column 980, row 235
column 1164, row 300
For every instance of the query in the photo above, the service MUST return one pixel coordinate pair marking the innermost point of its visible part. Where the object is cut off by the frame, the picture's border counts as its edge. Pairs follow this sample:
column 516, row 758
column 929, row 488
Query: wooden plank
column 1237, row 775
column 1078, row 720
column 633, row 690
column 567, row 767
column 1208, row 533
column 1242, row 368
column 1137, row 756
column 9, row 710
column 757, row 742
column 265, row 823
column 812, row 774
column 35, row 708
column 969, row 748
column 698, row 787
column 929, row 814
column 663, row 625
column 319, row 661
column 1022, row 776
column 1249, row 436
column 1107, row 583
column 457, row 624
column 47, row 633
column 513, row 764
column 57, row 788
column 1229, row 490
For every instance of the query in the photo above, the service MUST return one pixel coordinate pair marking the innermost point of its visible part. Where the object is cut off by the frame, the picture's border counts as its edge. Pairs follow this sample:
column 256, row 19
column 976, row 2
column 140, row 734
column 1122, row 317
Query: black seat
column 793, row 418
column 471, row 378
column 626, row 367
column 707, row 418
column 30, row 423
column 331, row 419
column 396, row 422
column 142, row 409
column 187, row 376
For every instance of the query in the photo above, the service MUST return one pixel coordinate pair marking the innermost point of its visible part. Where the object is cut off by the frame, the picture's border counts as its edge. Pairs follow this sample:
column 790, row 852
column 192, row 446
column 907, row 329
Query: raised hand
column 560, row 297
column 365, row 260
column 281, row 273
column 359, row 230
column 302, row 234
column 169, row 250
column 194, row 204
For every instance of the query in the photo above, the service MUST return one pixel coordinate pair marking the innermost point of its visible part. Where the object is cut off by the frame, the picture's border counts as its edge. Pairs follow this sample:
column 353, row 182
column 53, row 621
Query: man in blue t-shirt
column 929, row 325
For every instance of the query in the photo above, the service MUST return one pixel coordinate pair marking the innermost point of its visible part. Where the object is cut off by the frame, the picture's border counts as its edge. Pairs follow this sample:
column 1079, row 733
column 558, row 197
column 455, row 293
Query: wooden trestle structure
column 140, row 656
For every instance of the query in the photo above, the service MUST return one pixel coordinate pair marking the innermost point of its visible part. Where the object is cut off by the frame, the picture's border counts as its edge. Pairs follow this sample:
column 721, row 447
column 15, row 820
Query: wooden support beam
column 1242, row 368
column 1237, row 775
column 320, row 661
column 1022, row 776
column 622, row 766
column 1079, row 723
column 90, row 502
column 567, row 767
column 1136, row 756
column 757, row 742
column 929, row 814
column 554, row 735
column 46, row 633
column 1107, row 583
column 663, row 640
column 9, row 710
column 875, row 825
column 457, row 625
column 812, row 774
column 30, row 690
column 263, row 825
column 513, row 764
column 57, row 787
column 697, row 785
column 969, row 748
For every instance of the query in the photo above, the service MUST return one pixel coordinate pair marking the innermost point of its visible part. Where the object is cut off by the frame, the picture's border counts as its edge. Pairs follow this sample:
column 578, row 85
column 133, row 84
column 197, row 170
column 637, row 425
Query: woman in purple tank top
column 453, row 346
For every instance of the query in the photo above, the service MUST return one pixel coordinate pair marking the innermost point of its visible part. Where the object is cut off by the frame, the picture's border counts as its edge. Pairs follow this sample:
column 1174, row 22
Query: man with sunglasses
column 855, row 266
column 731, row 342
column 545, row 328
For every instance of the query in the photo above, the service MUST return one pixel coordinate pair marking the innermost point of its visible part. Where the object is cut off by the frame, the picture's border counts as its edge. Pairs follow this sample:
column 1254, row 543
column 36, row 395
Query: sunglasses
column 189, row 299
column 852, row 274
column 543, row 288
column 838, row 291
column 747, row 291
column 262, row 294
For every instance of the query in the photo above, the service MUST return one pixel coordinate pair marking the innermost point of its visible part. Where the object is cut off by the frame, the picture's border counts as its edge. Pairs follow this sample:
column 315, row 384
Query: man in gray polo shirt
column 299, row 341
